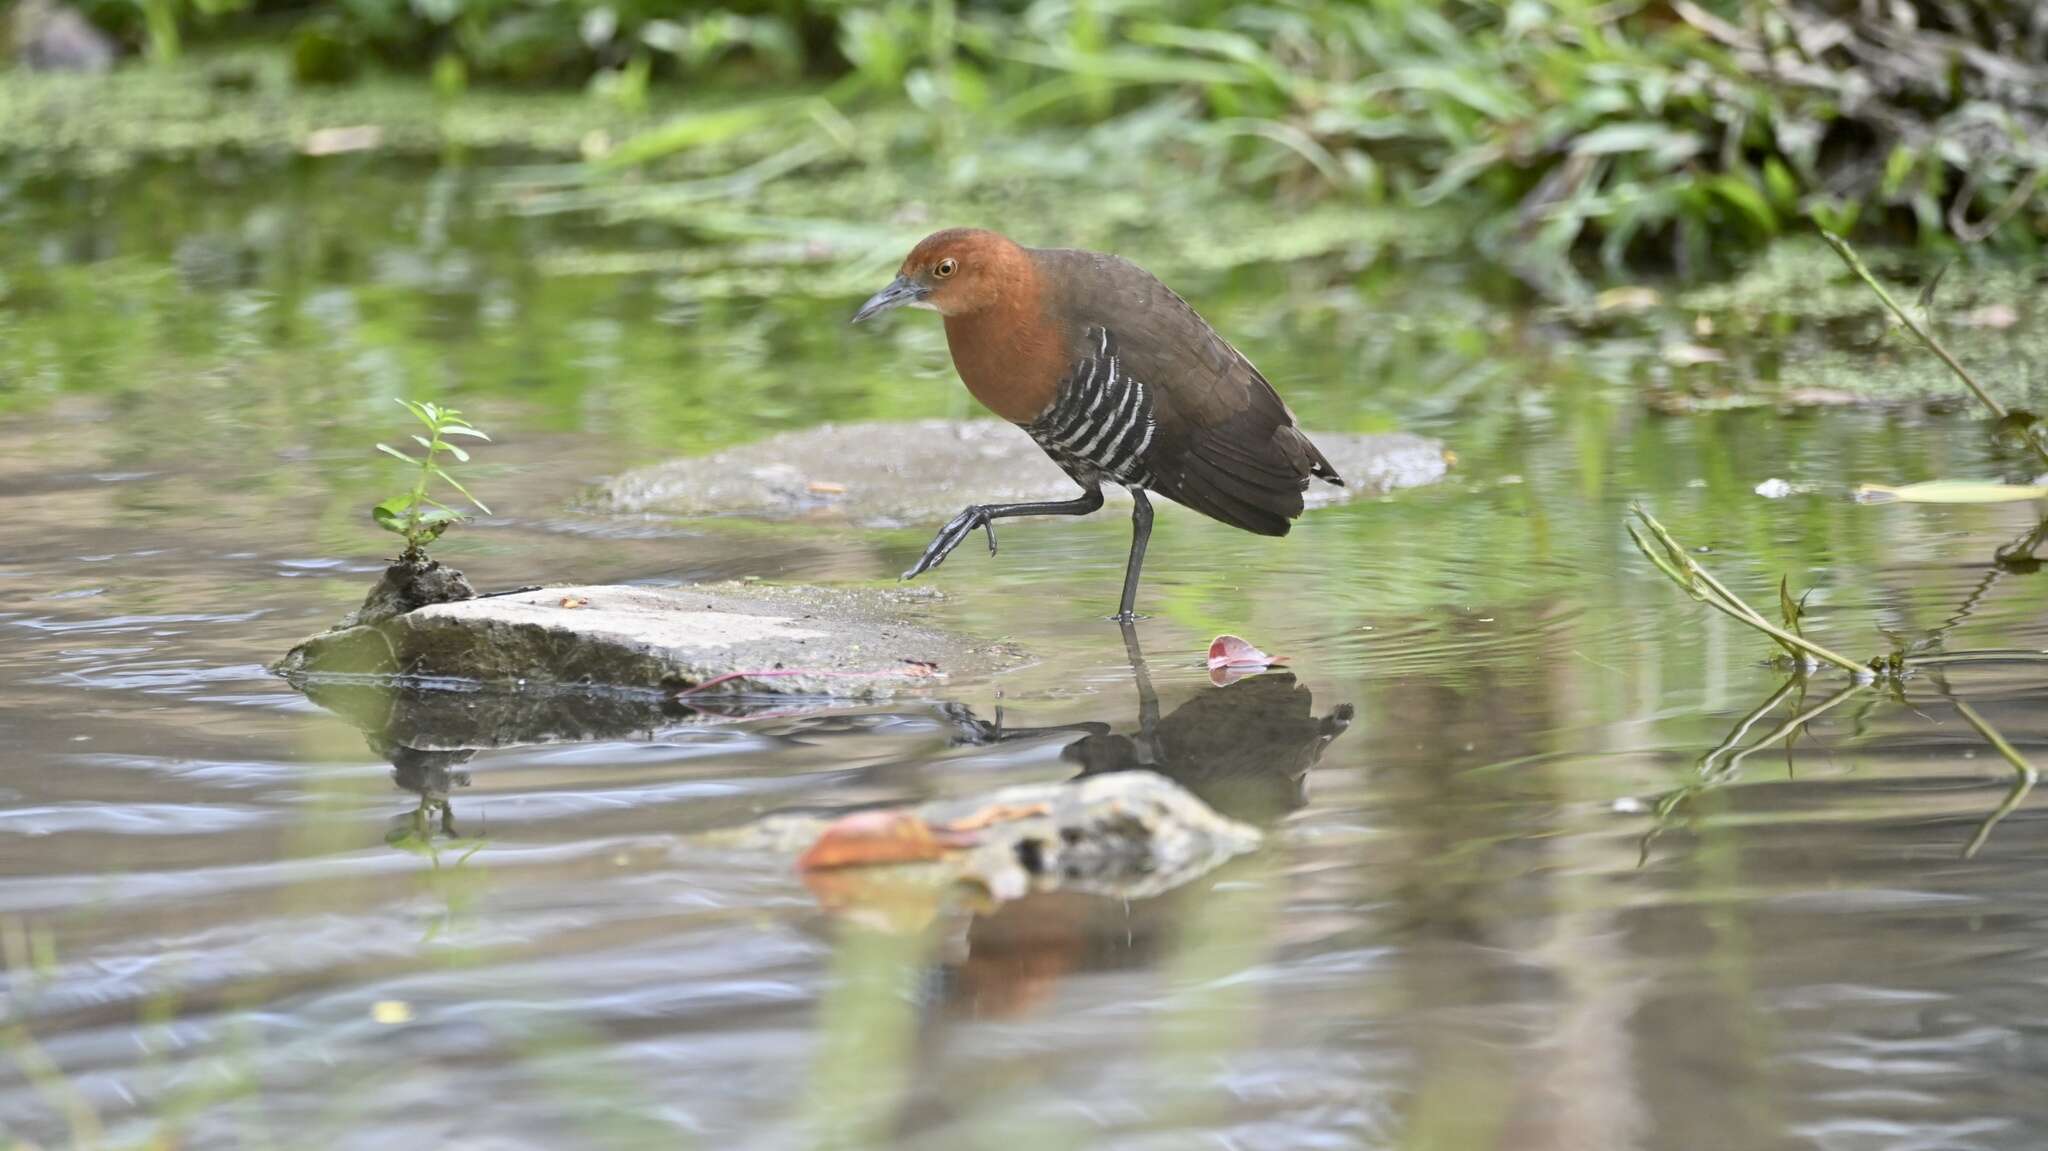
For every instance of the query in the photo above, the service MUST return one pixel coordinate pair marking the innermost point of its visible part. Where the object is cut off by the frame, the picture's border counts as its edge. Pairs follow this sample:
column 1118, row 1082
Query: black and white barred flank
column 1101, row 420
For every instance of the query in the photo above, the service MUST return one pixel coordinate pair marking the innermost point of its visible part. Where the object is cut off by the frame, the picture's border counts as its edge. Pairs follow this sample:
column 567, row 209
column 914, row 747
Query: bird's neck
column 1011, row 353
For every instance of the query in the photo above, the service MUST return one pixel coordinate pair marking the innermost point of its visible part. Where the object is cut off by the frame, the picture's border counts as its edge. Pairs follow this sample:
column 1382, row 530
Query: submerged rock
column 843, row 644
column 1130, row 834
column 897, row 472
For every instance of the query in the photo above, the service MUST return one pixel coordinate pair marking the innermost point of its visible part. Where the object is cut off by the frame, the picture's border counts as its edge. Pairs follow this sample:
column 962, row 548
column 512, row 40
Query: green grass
column 1558, row 135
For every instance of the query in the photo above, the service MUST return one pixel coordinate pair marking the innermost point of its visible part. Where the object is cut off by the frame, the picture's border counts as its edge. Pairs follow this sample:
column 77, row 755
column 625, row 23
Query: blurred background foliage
column 1561, row 139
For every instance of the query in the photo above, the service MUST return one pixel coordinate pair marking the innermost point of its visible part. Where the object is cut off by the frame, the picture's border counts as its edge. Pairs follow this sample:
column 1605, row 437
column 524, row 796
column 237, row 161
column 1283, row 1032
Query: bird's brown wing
column 1225, row 444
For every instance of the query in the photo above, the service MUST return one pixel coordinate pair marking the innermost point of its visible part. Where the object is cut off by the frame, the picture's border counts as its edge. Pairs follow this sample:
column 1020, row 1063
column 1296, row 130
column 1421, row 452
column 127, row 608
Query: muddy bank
column 853, row 644
column 888, row 474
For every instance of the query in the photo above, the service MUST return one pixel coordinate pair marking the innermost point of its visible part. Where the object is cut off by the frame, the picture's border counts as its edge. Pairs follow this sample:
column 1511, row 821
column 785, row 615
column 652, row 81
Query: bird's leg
column 975, row 516
column 1141, row 533
column 1141, row 673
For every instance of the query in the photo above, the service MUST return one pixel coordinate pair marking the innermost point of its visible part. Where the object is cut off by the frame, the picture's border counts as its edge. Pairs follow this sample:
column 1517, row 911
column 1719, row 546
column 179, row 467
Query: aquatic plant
column 2025, row 424
column 415, row 514
column 1671, row 558
column 1723, row 762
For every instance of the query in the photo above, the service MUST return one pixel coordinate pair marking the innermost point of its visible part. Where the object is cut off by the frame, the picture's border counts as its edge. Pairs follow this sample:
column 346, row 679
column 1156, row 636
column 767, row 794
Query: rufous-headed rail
column 1116, row 378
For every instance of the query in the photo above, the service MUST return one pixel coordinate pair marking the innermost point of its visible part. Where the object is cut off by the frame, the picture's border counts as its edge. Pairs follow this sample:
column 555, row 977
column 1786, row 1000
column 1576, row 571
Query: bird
column 1115, row 377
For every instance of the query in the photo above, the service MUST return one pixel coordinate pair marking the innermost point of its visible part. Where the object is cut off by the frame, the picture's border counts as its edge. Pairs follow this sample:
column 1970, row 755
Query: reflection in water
column 1914, row 658
column 427, row 731
column 1453, row 945
column 1245, row 749
column 2019, row 555
column 431, row 776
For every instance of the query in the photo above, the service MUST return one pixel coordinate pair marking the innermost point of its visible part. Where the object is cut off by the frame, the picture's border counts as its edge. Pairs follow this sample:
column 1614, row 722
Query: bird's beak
column 901, row 290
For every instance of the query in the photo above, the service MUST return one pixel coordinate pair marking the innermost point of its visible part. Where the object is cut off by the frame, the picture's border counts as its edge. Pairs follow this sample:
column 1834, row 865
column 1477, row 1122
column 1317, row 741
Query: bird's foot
column 952, row 536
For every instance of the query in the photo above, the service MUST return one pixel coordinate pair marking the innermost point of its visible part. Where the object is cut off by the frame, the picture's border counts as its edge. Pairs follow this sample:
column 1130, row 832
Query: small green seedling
column 415, row 514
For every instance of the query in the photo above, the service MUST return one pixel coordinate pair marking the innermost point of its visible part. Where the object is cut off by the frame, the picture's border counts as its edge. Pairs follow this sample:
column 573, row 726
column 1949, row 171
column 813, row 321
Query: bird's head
column 955, row 272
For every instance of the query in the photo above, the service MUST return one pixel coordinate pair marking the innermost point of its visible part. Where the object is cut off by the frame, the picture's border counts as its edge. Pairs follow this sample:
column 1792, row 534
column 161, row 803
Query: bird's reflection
column 432, row 776
column 1245, row 749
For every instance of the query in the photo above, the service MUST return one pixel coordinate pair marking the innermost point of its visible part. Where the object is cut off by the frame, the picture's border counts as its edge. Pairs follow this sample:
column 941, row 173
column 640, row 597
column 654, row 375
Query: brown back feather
column 1227, row 446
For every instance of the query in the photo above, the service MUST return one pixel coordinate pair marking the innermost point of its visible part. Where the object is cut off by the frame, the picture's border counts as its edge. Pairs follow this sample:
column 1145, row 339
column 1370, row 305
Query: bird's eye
column 946, row 267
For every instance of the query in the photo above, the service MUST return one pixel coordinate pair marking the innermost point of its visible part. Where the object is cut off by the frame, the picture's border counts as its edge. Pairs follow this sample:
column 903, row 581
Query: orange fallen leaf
column 873, row 837
column 574, row 601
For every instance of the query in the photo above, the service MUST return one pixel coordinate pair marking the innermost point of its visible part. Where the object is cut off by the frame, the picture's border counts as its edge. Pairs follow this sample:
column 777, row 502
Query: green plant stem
column 1711, row 776
column 1990, row 655
column 2027, row 776
column 1792, row 725
column 1741, row 729
column 1681, row 558
column 419, row 494
column 1787, row 638
column 1699, row 583
column 1998, row 410
column 1863, row 273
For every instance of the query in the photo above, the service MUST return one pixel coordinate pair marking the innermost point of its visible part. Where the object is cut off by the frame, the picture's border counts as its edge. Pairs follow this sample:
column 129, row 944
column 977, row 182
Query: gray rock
column 895, row 473
column 50, row 38
column 841, row 644
column 1130, row 833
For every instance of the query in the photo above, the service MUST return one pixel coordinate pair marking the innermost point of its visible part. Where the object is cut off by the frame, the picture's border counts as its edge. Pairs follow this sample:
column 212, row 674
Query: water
column 228, row 920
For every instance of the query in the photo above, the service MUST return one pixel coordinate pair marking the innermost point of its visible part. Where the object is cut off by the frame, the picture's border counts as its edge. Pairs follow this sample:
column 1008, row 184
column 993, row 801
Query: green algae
column 1798, row 278
column 1797, row 328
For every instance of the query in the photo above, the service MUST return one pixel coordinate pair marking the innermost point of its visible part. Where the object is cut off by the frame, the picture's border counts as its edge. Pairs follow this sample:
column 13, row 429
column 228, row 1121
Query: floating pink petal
column 1231, row 659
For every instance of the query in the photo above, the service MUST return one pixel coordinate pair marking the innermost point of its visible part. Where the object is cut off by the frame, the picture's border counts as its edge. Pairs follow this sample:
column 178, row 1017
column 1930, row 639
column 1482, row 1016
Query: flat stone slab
column 888, row 474
column 854, row 644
